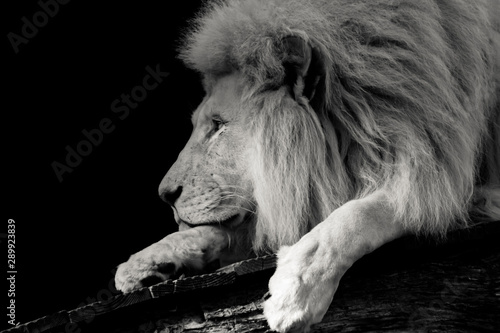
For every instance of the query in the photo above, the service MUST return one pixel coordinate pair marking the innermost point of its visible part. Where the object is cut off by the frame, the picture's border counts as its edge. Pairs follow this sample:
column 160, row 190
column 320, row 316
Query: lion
column 328, row 129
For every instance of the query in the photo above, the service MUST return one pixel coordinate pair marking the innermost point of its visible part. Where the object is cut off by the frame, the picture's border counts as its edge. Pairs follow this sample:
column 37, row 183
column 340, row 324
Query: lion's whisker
column 239, row 207
column 234, row 195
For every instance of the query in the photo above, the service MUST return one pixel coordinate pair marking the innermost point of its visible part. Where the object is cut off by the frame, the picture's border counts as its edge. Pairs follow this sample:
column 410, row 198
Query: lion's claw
column 147, row 267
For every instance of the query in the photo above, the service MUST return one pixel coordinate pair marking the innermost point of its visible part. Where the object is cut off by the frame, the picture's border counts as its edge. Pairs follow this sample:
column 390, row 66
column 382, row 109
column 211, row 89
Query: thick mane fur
column 406, row 104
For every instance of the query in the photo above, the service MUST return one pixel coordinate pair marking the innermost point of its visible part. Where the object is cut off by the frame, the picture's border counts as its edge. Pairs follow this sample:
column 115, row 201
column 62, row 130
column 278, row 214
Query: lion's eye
column 218, row 122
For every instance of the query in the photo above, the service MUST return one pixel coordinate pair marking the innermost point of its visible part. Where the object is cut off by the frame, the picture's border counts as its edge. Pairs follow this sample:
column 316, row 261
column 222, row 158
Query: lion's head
column 258, row 152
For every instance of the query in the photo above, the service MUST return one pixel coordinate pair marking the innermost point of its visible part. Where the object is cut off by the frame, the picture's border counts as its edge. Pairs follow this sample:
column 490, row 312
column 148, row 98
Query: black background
column 70, row 235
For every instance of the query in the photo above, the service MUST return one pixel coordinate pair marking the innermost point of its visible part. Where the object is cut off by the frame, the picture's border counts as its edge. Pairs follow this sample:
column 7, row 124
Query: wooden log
column 87, row 313
column 410, row 285
column 44, row 324
column 456, row 293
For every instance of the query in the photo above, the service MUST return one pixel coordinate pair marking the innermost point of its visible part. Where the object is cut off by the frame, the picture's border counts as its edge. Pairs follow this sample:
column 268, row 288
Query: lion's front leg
column 308, row 272
column 190, row 249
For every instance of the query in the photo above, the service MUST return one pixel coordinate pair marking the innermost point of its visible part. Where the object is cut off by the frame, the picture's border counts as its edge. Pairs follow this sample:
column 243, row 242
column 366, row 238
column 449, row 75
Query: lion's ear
column 302, row 67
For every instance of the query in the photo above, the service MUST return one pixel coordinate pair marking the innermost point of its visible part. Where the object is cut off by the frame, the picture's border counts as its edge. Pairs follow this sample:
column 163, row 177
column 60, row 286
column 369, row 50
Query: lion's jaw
column 209, row 183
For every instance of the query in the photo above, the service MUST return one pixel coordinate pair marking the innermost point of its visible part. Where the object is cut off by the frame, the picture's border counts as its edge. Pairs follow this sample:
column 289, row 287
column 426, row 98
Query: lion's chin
column 231, row 222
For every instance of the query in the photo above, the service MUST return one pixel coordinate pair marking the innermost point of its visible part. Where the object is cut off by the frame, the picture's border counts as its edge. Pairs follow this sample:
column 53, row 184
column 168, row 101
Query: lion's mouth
column 232, row 222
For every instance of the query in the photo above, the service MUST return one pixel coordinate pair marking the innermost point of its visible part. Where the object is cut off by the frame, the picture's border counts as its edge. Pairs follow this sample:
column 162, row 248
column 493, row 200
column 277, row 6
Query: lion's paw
column 152, row 265
column 300, row 295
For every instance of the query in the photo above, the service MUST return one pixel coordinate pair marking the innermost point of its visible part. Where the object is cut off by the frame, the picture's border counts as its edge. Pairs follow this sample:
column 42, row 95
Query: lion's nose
column 170, row 194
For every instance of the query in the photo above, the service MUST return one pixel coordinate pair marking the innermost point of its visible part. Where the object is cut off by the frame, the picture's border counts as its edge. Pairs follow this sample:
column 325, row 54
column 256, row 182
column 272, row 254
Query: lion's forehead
column 224, row 97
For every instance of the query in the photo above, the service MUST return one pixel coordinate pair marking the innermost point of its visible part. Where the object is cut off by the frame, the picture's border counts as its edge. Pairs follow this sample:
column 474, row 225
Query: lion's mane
column 404, row 104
